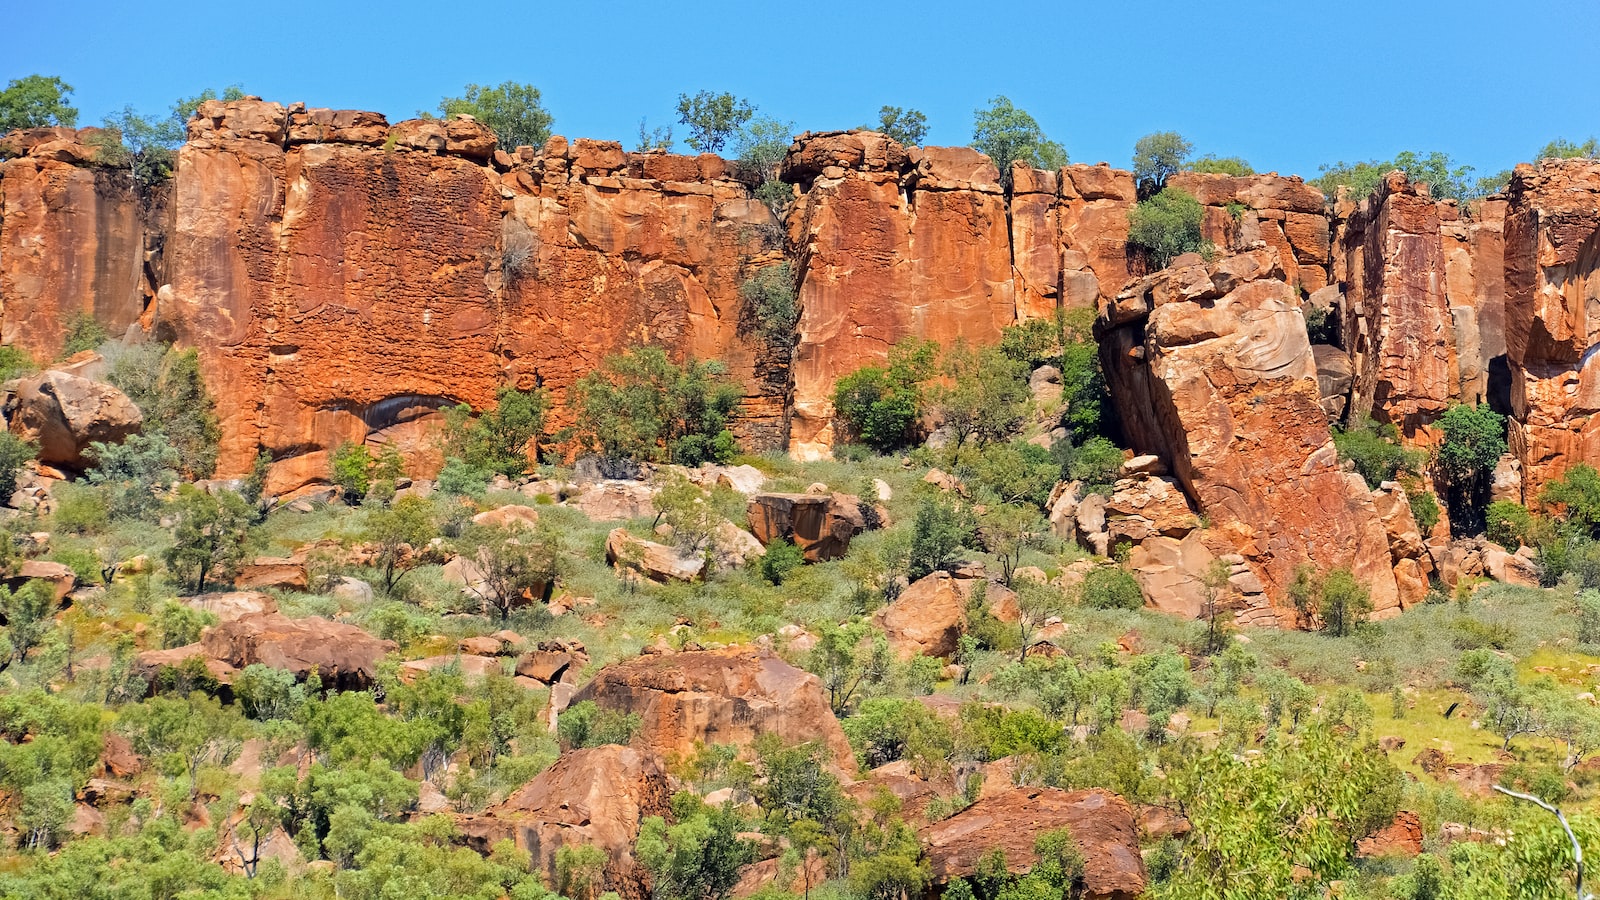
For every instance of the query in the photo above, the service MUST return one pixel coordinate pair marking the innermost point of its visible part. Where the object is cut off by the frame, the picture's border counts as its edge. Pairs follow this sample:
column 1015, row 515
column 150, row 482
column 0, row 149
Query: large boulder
column 1102, row 826
column 927, row 618
column 728, row 696
column 343, row 656
column 657, row 562
column 64, row 413
column 821, row 525
column 590, row 798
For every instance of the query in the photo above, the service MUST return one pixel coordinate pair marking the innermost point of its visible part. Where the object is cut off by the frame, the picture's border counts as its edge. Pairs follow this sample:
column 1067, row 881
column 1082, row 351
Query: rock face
column 1552, row 282
column 63, row 414
column 595, row 797
column 1286, row 214
column 1211, row 369
column 719, row 697
column 1397, row 320
column 302, row 254
column 76, row 238
column 876, row 223
column 1102, row 824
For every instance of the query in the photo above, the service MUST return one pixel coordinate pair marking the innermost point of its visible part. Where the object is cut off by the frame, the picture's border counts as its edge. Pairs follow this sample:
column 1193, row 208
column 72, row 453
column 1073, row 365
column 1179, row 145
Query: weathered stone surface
column 927, row 618
column 473, row 668
column 1145, row 506
column 595, row 797
column 1284, row 213
column 1402, row 837
column 1102, row 826
column 1396, row 317
column 1552, row 280
column 1171, row 573
column 512, row 516
column 821, row 525
column 726, row 696
column 73, row 240
column 58, row 575
column 866, row 241
column 63, row 414
column 234, row 604
column 1225, row 387
column 657, row 562
column 344, row 656
column 616, row 500
column 1334, row 378
column 268, row 571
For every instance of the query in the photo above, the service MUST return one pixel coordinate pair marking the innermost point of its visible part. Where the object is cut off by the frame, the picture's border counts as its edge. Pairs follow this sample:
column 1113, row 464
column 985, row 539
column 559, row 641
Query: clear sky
column 1287, row 84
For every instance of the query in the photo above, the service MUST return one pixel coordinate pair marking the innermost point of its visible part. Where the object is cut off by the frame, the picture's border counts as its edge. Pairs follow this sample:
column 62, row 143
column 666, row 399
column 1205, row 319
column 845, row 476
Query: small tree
column 400, row 533
column 713, row 119
column 1474, row 441
column 880, row 405
column 171, row 394
column 14, row 454
column 132, row 471
column 908, row 126
column 36, row 101
column 1110, row 587
column 1156, row 157
column 1561, row 148
column 941, row 529
column 1345, row 604
column 1168, row 225
column 350, row 469
column 515, row 564
column 499, row 440
column 1212, row 164
column 769, row 295
column 642, row 406
column 1008, row 530
column 83, row 333
column 1036, row 603
column 28, row 612
column 984, row 395
column 1215, row 582
column 781, row 560
column 1005, row 134
column 697, row 859
column 209, row 535
column 514, row 112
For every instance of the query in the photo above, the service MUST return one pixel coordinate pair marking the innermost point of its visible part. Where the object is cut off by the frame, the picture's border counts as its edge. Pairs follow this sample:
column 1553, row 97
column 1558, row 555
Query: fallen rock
column 234, row 604
column 59, row 576
column 1402, row 837
column 272, row 572
column 590, row 798
column 63, row 414
column 473, row 668
column 512, row 516
column 728, row 696
column 609, row 501
column 553, row 661
column 1102, row 826
column 344, row 656
column 657, row 562
column 821, row 525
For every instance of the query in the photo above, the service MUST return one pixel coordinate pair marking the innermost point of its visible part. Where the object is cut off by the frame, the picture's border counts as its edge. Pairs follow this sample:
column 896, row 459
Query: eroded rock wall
column 77, row 238
column 1552, row 310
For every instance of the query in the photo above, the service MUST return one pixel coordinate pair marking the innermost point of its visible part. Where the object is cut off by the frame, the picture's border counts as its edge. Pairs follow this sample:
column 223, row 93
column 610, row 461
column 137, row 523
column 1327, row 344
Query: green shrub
column 83, row 333
column 770, row 296
column 1509, row 524
column 1168, row 225
column 350, row 468
column 1111, row 587
column 587, row 724
column 781, row 560
column 640, row 405
column 499, row 440
column 15, row 362
column 1098, row 464
column 1345, row 604
column 1424, row 508
column 1577, row 494
column 1474, row 441
column 940, row 531
column 1220, row 165
column 14, row 453
column 131, row 472
column 514, row 112
column 1157, row 157
column 80, row 509
column 1375, row 451
column 166, row 385
column 881, row 406
column 458, row 479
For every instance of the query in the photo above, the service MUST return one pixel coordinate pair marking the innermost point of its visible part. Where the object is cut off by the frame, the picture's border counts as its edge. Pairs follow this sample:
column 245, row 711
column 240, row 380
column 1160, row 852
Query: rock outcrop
column 719, row 697
column 1285, row 214
column 1552, row 283
column 596, row 798
column 343, row 656
column 821, row 525
column 1102, row 826
column 63, row 413
column 1211, row 369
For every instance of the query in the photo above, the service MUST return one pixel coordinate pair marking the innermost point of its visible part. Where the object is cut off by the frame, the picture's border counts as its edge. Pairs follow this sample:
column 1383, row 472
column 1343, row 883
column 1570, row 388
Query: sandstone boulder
column 656, row 562
column 1102, row 826
column 512, row 516
column 1402, row 837
column 272, row 572
column 616, row 500
column 821, row 525
column 726, row 696
column 926, row 619
column 59, row 576
column 63, row 414
column 590, row 798
column 472, row 668
column 234, row 604
column 344, row 656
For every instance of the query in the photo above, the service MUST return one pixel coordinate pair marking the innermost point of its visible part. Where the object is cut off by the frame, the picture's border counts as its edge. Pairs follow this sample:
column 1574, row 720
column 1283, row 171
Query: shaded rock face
column 76, row 239
column 1102, row 825
column 821, row 525
column 63, row 414
column 719, row 697
column 1552, row 285
column 1397, row 319
column 1211, row 370
column 595, row 797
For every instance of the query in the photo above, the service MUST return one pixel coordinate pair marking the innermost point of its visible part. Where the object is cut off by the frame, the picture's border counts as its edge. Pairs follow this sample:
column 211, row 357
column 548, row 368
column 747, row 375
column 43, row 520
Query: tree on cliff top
column 1168, row 225
column 148, row 145
column 512, row 111
column 1561, row 148
column 1212, row 164
column 1156, row 157
column 36, row 101
column 1436, row 169
column 1005, row 134
column 713, row 119
column 908, row 126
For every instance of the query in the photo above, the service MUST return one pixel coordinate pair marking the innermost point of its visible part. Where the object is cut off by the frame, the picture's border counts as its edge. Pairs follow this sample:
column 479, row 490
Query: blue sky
column 1287, row 85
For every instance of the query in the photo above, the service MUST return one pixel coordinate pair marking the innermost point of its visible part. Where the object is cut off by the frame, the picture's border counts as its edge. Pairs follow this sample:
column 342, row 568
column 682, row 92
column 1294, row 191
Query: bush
column 1344, row 605
column 1375, row 451
column 499, row 440
column 167, row 387
column 80, row 509
column 586, row 724
column 1006, row 134
column 83, row 333
column 781, row 560
column 642, row 406
column 1098, row 464
column 14, row 453
column 881, row 406
column 514, row 112
column 132, row 471
column 1111, row 587
column 940, row 531
column 1474, row 441
column 983, row 395
column 770, row 297
column 1156, row 157
column 458, row 479
column 1168, row 225
column 350, row 468
column 1577, row 494
column 1509, row 524
column 209, row 536
column 1224, row 165
column 14, row 362
column 1424, row 507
